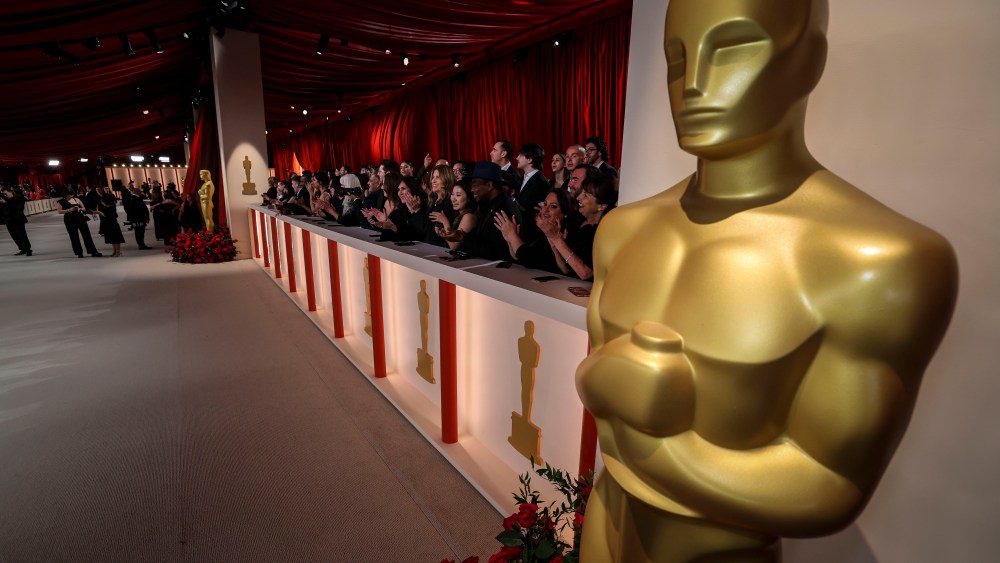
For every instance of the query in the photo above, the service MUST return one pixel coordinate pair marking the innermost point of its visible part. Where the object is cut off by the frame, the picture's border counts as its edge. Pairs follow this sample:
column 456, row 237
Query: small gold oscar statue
column 249, row 188
column 368, row 301
column 425, row 362
column 205, row 198
column 524, row 435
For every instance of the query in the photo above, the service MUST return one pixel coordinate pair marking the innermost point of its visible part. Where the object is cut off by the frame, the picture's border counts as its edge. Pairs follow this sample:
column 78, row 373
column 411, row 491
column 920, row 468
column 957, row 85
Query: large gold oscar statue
column 205, row 193
column 760, row 330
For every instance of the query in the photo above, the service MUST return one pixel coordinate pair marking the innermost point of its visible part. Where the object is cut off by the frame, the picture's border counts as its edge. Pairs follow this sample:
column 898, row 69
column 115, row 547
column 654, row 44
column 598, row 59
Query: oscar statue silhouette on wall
column 425, row 362
column 368, row 300
column 249, row 188
column 525, row 436
column 205, row 193
column 759, row 331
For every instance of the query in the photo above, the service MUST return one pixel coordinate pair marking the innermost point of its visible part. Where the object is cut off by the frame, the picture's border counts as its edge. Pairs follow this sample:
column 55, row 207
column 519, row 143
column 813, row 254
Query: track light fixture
column 455, row 60
column 406, row 60
column 157, row 48
column 388, row 51
column 126, row 44
column 305, row 111
column 324, row 40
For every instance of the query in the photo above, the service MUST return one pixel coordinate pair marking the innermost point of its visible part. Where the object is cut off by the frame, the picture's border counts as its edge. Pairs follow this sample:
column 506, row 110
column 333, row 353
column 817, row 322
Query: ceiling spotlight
column 145, row 112
column 293, row 107
column 454, row 61
column 305, row 112
column 137, row 158
column 289, row 130
column 388, row 51
column 126, row 44
column 84, row 160
column 406, row 60
column 265, row 131
column 157, row 137
column 186, row 35
column 157, row 48
column 53, row 163
column 403, row 84
column 556, row 43
column 94, row 43
column 339, row 110
column 324, row 40
column 164, row 159
column 328, row 118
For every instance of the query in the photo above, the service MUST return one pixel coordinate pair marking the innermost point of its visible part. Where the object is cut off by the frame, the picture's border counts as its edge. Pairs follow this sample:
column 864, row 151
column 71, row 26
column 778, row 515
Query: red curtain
column 553, row 96
column 205, row 156
column 35, row 179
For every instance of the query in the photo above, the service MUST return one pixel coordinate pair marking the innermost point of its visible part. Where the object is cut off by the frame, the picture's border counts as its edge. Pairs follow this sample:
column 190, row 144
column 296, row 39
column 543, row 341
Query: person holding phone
column 74, row 215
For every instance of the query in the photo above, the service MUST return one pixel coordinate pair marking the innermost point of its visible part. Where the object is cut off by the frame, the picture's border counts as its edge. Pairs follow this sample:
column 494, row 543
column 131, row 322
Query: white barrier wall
column 34, row 207
column 487, row 326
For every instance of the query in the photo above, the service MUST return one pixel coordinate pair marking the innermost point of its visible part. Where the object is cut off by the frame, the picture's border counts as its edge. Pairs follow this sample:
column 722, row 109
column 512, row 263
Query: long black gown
column 110, row 228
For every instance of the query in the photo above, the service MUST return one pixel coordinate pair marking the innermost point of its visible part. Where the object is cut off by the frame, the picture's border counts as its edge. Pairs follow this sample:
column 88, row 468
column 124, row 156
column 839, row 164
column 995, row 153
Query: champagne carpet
column 152, row 411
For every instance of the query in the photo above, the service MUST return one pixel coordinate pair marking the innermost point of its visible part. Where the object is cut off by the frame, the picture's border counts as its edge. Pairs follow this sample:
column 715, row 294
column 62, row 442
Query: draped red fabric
column 205, row 156
column 43, row 180
column 553, row 96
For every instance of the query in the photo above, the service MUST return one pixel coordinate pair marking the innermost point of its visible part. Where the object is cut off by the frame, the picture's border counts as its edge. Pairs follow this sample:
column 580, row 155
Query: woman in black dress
column 107, row 209
column 72, row 210
column 190, row 218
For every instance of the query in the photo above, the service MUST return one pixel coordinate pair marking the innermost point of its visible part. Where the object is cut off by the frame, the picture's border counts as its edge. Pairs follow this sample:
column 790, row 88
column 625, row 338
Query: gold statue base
column 425, row 366
column 526, row 438
column 249, row 188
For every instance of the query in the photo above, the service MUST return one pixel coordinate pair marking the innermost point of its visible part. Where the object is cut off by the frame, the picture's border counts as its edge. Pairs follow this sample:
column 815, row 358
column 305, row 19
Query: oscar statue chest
column 733, row 294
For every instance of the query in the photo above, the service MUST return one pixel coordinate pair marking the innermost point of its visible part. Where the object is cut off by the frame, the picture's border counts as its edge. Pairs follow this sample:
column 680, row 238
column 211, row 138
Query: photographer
column 73, row 211
column 13, row 212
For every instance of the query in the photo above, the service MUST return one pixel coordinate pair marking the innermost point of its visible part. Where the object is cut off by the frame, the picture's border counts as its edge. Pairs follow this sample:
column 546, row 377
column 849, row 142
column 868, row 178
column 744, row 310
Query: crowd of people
column 501, row 209
column 164, row 206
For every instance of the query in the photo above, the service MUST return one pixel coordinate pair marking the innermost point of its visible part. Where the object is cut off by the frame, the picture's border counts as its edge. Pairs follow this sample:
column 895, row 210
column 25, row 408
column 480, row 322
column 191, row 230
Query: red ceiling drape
column 205, row 156
column 553, row 96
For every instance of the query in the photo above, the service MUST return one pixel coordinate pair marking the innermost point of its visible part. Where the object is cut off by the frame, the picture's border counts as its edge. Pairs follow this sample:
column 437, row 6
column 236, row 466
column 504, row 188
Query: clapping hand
column 411, row 201
column 551, row 228
column 439, row 217
column 506, row 225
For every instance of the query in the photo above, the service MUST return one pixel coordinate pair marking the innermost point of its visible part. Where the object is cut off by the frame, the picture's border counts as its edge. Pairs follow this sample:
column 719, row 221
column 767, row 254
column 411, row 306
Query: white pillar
column 651, row 159
column 239, row 107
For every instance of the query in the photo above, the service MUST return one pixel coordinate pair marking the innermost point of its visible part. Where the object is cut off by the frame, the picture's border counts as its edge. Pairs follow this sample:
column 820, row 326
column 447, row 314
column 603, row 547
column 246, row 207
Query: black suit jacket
column 91, row 200
column 532, row 194
column 606, row 168
column 14, row 211
column 512, row 178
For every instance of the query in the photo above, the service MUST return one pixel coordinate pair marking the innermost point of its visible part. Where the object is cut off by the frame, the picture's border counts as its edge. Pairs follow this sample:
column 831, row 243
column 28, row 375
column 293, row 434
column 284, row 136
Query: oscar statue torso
column 759, row 331
column 205, row 194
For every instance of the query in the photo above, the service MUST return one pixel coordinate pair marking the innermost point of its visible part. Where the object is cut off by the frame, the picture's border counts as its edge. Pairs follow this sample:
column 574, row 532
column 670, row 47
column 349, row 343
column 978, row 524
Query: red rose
column 506, row 554
column 527, row 515
column 508, row 522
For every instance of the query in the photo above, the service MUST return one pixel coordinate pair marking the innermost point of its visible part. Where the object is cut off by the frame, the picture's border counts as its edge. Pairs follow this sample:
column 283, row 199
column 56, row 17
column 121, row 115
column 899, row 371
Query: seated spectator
column 537, row 253
column 393, row 214
column 485, row 240
column 576, row 156
column 463, row 218
column 420, row 222
column 574, row 250
column 596, row 151
column 406, row 169
column 560, row 175
column 577, row 178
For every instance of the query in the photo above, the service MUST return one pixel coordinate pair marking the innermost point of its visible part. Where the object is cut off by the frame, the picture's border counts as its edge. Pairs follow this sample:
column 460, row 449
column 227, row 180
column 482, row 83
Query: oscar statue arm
column 850, row 412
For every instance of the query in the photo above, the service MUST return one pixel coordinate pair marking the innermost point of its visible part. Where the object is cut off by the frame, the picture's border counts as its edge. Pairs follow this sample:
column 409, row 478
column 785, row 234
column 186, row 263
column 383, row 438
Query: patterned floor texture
column 153, row 411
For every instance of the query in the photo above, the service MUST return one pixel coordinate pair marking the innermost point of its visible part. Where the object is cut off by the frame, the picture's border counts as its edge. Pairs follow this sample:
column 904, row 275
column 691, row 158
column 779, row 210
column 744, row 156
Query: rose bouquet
column 541, row 531
column 204, row 247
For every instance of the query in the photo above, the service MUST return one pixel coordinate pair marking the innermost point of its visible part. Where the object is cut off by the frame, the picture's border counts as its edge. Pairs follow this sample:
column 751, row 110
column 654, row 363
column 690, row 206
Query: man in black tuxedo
column 534, row 186
column 13, row 213
column 597, row 156
column 500, row 155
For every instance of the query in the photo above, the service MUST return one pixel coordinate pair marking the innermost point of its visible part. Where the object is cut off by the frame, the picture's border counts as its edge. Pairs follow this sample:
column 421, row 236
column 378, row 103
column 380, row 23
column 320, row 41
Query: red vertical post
column 290, row 258
column 307, row 258
column 274, row 247
column 338, row 308
column 588, row 439
column 253, row 226
column 378, row 328
column 263, row 240
column 449, row 362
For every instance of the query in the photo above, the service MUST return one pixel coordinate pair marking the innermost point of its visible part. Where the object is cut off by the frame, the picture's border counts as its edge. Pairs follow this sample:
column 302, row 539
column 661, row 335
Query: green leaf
column 545, row 549
column 511, row 538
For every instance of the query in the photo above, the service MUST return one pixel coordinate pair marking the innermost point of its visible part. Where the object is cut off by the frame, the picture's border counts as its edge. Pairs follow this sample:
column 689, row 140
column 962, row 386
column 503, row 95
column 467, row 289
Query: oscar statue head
column 205, row 175
column 740, row 71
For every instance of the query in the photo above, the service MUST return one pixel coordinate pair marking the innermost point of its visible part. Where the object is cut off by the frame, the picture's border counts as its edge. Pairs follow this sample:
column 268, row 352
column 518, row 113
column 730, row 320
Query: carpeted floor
column 152, row 411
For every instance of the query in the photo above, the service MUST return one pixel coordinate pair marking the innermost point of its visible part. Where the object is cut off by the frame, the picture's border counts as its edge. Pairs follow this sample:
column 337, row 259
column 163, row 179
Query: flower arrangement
column 538, row 531
column 204, row 247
